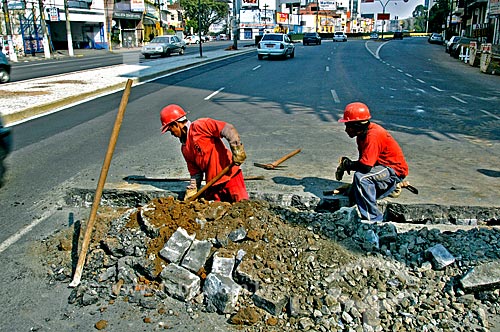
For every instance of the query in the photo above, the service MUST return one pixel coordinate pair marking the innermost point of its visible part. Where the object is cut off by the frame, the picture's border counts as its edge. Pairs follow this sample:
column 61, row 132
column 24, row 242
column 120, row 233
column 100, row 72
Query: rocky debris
column 292, row 269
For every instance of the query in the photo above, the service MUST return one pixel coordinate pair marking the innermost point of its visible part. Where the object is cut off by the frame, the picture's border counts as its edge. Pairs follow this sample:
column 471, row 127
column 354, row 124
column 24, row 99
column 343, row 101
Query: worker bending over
column 206, row 155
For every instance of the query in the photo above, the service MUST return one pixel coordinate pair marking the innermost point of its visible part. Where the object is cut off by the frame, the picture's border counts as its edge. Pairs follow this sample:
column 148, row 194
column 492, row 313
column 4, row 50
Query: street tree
column 438, row 15
column 207, row 12
column 420, row 15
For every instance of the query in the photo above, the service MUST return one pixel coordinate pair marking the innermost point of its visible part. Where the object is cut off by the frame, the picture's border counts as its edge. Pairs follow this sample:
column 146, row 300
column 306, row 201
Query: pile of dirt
column 330, row 273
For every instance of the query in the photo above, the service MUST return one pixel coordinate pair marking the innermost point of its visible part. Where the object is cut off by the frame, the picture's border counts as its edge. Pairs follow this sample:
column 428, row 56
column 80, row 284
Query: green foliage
column 420, row 15
column 438, row 15
column 207, row 11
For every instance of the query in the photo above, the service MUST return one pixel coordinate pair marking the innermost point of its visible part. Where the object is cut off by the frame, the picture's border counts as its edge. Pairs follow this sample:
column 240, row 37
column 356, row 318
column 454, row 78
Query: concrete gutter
column 50, row 94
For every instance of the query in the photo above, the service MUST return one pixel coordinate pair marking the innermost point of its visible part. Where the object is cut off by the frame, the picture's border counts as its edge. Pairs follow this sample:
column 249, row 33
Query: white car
column 275, row 44
column 339, row 36
column 164, row 46
column 194, row 39
column 448, row 43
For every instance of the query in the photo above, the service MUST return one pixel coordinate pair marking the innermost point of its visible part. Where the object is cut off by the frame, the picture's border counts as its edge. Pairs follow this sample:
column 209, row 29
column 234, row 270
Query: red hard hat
column 356, row 112
column 169, row 114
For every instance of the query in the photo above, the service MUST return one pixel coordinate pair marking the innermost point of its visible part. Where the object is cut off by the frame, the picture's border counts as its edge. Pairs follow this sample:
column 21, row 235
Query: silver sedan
column 164, row 46
column 275, row 44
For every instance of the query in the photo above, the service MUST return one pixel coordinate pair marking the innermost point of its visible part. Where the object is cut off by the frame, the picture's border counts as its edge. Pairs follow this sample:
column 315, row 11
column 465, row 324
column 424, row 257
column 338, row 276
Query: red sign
column 383, row 16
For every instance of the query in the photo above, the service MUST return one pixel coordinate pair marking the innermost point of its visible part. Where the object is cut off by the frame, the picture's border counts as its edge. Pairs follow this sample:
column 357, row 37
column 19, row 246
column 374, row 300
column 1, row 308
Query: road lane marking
column 214, row 93
column 421, row 81
column 335, row 97
column 327, row 68
column 255, row 68
column 14, row 238
column 491, row 114
column 409, row 75
column 458, row 99
column 437, row 89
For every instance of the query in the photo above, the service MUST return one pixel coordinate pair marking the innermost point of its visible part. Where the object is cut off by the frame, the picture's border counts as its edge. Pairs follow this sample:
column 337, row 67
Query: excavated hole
column 430, row 214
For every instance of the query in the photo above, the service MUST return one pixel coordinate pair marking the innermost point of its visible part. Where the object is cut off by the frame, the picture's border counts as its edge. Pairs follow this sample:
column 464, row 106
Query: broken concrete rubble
column 314, row 264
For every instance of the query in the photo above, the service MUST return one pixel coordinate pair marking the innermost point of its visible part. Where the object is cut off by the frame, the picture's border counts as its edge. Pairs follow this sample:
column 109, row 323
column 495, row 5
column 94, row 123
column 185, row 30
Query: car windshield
column 339, row 33
column 273, row 37
column 161, row 40
column 310, row 34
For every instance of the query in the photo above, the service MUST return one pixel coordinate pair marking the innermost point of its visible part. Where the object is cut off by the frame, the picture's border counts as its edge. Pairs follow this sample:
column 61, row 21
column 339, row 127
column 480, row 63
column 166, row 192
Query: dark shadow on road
column 489, row 172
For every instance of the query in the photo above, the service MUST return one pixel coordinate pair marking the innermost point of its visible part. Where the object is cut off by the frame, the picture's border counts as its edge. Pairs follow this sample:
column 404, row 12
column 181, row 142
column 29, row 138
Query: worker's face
column 351, row 130
column 175, row 130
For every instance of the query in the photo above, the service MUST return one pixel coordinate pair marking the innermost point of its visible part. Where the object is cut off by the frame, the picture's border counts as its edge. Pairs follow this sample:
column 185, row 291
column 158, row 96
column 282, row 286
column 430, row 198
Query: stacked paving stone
column 419, row 280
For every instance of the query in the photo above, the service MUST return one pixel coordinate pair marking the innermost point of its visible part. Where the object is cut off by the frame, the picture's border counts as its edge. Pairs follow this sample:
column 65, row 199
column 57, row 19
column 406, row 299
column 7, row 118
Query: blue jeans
column 368, row 187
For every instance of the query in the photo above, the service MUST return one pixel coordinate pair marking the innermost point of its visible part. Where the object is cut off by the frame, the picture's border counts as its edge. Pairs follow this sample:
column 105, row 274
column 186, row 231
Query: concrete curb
column 139, row 78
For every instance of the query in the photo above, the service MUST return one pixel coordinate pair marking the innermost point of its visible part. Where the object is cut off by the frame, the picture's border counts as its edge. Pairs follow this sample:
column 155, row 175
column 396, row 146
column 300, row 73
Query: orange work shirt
column 205, row 152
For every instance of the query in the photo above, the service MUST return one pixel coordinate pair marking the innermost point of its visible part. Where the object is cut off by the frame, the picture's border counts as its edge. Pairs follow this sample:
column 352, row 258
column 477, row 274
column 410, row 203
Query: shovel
column 275, row 164
column 211, row 182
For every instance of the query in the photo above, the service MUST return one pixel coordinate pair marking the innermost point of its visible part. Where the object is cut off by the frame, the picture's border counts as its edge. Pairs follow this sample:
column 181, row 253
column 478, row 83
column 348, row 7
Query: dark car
column 456, row 47
column 311, row 38
column 4, row 68
column 5, row 147
column 397, row 35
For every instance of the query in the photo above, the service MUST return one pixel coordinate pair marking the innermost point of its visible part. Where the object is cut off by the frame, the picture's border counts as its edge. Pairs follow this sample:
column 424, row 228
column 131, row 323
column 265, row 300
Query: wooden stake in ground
column 102, row 179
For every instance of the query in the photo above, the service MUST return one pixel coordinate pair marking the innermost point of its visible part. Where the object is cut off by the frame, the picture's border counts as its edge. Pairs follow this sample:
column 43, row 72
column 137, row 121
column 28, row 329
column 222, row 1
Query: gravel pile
column 318, row 271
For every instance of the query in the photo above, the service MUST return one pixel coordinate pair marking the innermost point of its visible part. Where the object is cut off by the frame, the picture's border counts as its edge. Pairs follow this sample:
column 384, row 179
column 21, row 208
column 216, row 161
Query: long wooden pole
column 102, row 179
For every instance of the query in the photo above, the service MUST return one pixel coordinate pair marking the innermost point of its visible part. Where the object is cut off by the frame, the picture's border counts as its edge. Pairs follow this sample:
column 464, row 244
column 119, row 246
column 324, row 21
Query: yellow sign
column 157, row 25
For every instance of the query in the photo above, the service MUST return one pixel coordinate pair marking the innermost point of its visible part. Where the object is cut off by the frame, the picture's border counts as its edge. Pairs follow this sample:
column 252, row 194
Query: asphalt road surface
column 443, row 113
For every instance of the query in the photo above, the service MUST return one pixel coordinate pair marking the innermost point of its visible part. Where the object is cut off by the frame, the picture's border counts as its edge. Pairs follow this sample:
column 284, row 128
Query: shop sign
column 137, row 5
column 53, row 14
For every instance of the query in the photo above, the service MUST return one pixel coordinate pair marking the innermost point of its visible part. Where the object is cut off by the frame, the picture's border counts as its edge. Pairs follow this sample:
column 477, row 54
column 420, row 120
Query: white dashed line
column 213, row 94
column 409, row 75
column 400, row 70
column 490, row 114
column 458, row 99
column 437, row 89
column 421, row 81
column 327, row 68
column 335, row 97
column 255, row 68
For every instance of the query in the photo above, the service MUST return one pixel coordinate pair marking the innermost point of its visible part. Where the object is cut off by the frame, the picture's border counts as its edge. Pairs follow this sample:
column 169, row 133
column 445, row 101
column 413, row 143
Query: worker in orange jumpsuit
column 206, row 155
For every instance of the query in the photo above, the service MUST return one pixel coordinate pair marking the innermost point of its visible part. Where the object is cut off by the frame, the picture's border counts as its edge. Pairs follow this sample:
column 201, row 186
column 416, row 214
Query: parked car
column 311, row 38
column 275, row 44
column 193, row 39
column 164, row 46
column 449, row 44
column 374, row 36
column 221, row 36
column 397, row 35
column 5, row 147
column 4, row 67
column 339, row 36
column 435, row 38
column 457, row 46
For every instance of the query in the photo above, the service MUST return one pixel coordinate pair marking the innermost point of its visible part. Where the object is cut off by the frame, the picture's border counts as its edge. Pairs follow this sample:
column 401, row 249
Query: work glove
column 345, row 165
column 239, row 154
column 191, row 190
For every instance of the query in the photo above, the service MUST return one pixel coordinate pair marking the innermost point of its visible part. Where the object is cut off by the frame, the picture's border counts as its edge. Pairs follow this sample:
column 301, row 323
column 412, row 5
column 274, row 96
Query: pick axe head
column 268, row 166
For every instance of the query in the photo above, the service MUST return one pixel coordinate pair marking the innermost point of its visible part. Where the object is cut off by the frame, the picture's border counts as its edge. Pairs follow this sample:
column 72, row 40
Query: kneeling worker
column 381, row 165
column 206, row 155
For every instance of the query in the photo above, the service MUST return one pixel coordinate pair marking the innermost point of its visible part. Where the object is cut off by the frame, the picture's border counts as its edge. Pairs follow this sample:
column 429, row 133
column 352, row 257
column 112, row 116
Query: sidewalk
column 22, row 100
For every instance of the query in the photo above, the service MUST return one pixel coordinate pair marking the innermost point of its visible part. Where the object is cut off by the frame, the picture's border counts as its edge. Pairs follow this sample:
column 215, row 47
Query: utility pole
column 199, row 28
column 317, row 14
column 265, row 15
column 235, row 27
column 12, row 51
column 68, row 29
column 46, row 44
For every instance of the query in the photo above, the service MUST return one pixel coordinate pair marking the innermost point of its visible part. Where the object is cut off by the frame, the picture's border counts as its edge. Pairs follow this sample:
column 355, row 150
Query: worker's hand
column 239, row 154
column 190, row 192
column 345, row 165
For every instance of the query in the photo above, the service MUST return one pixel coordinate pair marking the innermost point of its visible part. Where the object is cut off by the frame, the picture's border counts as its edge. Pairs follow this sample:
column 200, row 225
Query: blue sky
column 394, row 7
